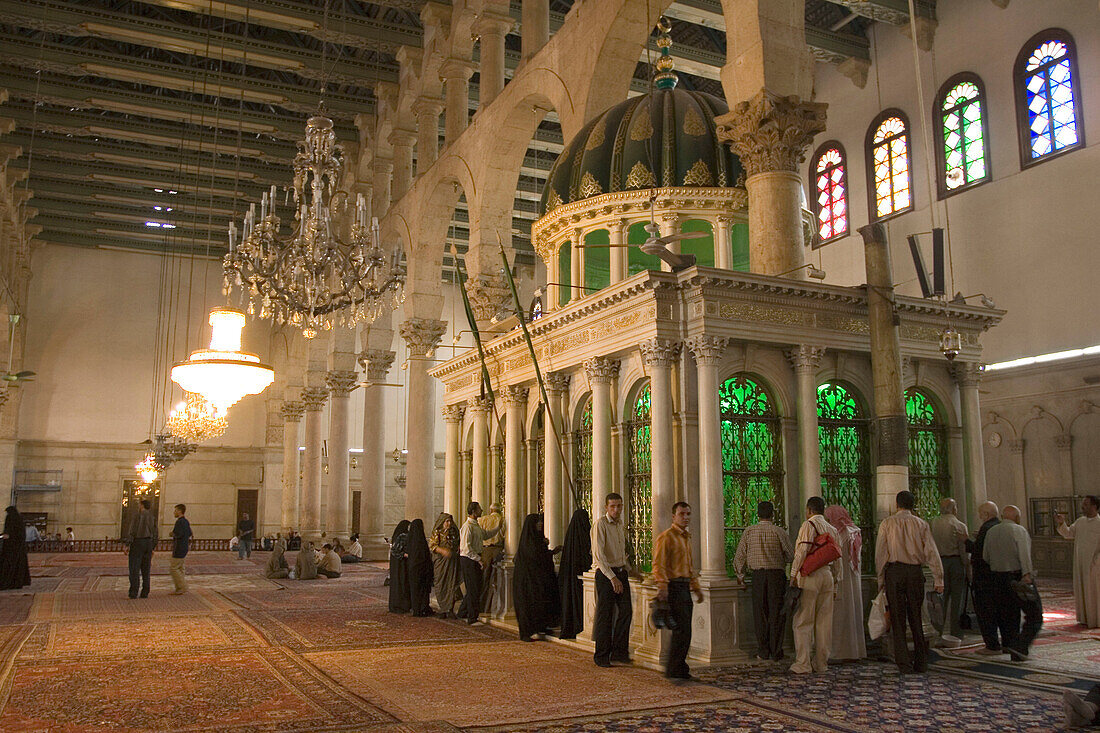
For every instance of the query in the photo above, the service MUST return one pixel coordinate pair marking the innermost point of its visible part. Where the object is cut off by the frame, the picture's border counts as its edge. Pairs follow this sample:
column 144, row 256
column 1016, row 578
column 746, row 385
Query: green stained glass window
column 597, row 261
column 929, row 478
column 565, row 273
column 636, row 260
column 639, row 484
column 582, row 459
column 752, row 457
column 962, row 134
column 739, row 241
column 888, row 151
column 843, row 430
column 703, row 247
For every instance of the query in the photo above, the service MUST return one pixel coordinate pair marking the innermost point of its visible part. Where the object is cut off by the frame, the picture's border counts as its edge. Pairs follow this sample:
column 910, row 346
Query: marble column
column 515, row 406
column 310, row 509
column 534, row 488
column 291, row 411
column 456, row 76
column 805, row 360
column 427, row 111
column 452, row 476
column 555, row 520
column 421, row 335
column 707, row 351
column 372, row 499
column 619, row 254
column 660, row 355
column 402, row 141
column 340, row 384
column 480, row 408
column 495, row 479
column 968, row 376
column 492, row 29
column 771, row 134
column 467, row 472
column 601, row 372
column 723, row 252
column 535, row 27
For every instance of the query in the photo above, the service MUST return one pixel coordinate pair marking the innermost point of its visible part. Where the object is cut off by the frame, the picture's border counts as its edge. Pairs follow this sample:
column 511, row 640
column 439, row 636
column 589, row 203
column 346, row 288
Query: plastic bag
column 878, row 623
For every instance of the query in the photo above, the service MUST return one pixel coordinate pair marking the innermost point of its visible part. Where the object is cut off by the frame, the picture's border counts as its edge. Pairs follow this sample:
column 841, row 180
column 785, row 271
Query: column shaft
column 968, row 377
column 723, row 254
column 555, row 520
column 403, row 141
column 707, row 353
column 804, row 360
column 427, row 133
column 659, row 356
column 292, row 422
column 619, row 254
column 422, row 335
column 452, row 477
column 479, row 408
column 601, row 371
column 372, row 499
column 515, row 401
column 492, row 30
column 310, row 510
column 456, row 77
column 340, row 384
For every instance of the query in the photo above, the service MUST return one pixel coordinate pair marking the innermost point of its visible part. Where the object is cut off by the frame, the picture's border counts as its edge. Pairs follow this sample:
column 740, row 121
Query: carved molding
column 453, row 413
column 340, row 383
column 660, row 352
column 707, row 350
column 480, row 404
column 422, row 334
column 557, row 383
column 771, row 133
column 292, row 410
column 314, row 398
column 602, row 369
column 377, row 362
column 966, row 373
column 804, row 358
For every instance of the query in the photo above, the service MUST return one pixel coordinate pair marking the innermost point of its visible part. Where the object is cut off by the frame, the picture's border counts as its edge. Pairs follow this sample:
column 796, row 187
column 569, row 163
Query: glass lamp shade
column 223, row 374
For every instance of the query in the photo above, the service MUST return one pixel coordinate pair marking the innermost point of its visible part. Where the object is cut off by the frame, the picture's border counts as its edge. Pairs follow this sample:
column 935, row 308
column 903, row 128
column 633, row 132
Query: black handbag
column 1026, row 592
column 790, row 601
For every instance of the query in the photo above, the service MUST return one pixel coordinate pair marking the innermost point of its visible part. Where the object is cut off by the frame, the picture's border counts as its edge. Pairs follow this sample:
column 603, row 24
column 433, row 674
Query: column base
column 375, row 549
column 889, row 480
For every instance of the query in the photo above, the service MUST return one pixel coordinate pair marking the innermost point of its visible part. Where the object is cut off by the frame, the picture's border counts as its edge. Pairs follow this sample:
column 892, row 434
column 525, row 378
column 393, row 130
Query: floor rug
column 306, row 594
column 14, row 607
column 163, row 583
column 85, row 605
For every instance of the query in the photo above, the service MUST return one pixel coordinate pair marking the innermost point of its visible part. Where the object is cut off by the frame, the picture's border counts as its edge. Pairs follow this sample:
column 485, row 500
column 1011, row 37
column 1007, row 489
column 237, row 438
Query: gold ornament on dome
column 693, row 124
column 699, row 175
column 640, row 177
column 596, row 137
column 589, row 186
column 642, row 129
column 553, row 201
column 196, row 420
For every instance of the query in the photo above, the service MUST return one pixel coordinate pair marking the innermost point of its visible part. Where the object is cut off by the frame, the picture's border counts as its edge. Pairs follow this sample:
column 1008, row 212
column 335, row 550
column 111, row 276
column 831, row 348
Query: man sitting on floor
column 354, row 552
column 1082, row 711
column 329, row 565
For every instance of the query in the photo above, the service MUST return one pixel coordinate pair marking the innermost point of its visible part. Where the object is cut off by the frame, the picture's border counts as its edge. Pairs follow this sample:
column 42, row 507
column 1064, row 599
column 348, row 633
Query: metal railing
column 163, row 545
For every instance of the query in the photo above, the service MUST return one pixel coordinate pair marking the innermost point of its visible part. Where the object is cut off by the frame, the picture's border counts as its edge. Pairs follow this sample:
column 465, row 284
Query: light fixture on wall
column 812, row 271
column 223, row 374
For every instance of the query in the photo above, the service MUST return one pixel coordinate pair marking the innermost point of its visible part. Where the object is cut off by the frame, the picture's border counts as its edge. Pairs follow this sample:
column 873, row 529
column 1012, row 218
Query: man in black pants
column 611, row 627
column 985, row 605
column 1008, row 552
column 766, row 549
column 140, row 542
column 471, row 543
column 676, row 580
column 904, row 544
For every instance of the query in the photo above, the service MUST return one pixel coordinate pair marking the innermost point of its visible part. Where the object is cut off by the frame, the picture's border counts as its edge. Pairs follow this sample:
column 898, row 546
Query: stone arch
column 1084, row 431
column 1044, row 471
column 768, row 365
column 1001, row 451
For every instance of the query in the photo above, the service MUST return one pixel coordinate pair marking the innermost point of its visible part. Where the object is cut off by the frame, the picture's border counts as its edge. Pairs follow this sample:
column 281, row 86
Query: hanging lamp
column 223, row 374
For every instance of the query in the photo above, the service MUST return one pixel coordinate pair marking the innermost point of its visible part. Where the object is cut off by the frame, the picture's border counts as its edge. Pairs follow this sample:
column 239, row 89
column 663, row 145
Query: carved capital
column 429, row 106
column 422, row 334
column 771, row 133
column 314, row 398
column 513, row 396
column 480, row 405
column 400, row 480
column 487, row 295
column 707, row 350
column 493, row 25
column 377, row 362
column 456, row 70
column 967, row 373
column 660, row 352
column 601, row 369
column 1063, row 441
column 402, row 136
column 453, row 413
column 557, row 384
column 5, row 395
column 804, row 359
column 292, row 410
column 340, row 383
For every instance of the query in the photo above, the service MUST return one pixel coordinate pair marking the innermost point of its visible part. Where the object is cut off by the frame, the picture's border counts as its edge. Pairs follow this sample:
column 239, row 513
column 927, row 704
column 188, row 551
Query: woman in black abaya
column 576, row 558
column 420, row 570
column 14, row 570
column 399, row 569
column 534, row 584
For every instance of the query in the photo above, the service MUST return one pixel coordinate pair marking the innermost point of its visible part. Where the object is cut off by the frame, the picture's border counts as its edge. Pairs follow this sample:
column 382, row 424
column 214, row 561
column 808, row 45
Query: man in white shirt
column 1085, row 533
column 471, row 542
column 813, row 621
column 354, row 551
column 1008, row 551
column 611, row 626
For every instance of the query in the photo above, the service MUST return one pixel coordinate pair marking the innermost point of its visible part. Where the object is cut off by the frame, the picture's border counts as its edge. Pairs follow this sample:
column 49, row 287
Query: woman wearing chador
column 420, row 570
column 534, row 583
column 399, row 569
column 14, row 569
column 448, row 575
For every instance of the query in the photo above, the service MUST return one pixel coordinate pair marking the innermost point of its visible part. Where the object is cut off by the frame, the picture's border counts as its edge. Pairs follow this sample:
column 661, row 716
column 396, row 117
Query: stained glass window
column 582, row 460
column 536, row 309
column 540, row 463
column 1049, row 96
column 752, row 456
column 843, row 430
column 963, row 139
column 831, row 184
column 639, row 484
column 929, row 478
column 891, row 184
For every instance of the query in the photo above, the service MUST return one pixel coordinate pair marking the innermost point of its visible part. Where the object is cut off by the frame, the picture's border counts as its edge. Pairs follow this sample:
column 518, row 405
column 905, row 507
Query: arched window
column 752, row 456
column 565, row 273
column 582, row 460
column 843, row 430
column 1048, row 97
column 829, row 179
column 536, row 309
column 889, row 180
column 962, row 133
column 639, row 483
column 929, row 478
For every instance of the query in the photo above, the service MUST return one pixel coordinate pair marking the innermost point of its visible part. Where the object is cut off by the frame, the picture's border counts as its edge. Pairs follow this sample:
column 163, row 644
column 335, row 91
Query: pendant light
column 223, row 374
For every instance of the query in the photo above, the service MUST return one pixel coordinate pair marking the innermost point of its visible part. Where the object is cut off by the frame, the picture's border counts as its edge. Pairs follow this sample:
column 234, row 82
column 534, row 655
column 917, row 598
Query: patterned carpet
column 243, row 654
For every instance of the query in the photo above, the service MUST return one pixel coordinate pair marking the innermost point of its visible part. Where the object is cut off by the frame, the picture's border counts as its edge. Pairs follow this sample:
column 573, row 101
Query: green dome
column 661, row 139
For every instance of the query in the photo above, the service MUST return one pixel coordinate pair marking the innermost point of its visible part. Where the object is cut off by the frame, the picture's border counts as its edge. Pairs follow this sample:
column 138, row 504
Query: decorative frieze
column 772, row 133
column 422, row 335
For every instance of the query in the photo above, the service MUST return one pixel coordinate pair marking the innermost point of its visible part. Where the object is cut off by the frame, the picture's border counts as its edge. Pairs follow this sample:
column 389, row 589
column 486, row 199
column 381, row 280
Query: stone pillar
column 601, row 371
column 479, row 414
column 535, row 25
column 340, row 385
column 310, row 510
column 292, row 419
column 402, row 141
column 708, row 352
column 494, row 481
column 427, row 111
column 421, row 335
column 555, row 520
column 620, row 259
column 452, row 481
column 534, row 488
column 660, row 355
column 723, row 255
column 805, row 360
column 515, row 405
column 669, row 225
column 492, row 29
column 967, row 376
column 576, row 266
column 891, row 428
column 456, row 75
column 381, row 181
column 372, row 500
column 771, row 134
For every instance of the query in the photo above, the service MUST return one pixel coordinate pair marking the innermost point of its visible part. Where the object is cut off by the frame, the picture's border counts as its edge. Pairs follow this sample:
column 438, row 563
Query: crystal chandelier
column 223, row 374
column 313, row 278
column 195, row 420
column 147, row 468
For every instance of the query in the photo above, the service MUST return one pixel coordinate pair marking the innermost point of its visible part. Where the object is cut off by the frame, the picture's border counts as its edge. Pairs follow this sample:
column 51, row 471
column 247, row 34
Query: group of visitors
column 326, row 561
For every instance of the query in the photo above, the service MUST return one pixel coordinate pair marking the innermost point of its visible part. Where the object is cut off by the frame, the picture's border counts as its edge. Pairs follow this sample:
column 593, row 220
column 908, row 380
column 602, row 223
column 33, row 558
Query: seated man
column 354, row 553
column 1082, row 711
column 329, row 565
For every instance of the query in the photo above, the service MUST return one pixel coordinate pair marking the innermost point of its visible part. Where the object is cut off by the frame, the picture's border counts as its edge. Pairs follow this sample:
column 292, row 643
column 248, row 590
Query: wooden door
column 356, row 498
column 248, row 501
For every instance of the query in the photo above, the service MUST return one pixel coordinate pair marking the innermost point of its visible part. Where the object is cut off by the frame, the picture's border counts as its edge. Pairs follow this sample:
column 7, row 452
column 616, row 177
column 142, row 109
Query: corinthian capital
column 967, row 373
column 707, row 349
column 377, row 362
column 660, row 352
column 314, row 398
column 804, row 358
column 487, row 294
column 453, row 413
column 513, row 396
column 771, row 133
column 557, row 383
column 480, row 404
column 340, row 383
column 291, row 411
column 601, row 369
column 422, row 334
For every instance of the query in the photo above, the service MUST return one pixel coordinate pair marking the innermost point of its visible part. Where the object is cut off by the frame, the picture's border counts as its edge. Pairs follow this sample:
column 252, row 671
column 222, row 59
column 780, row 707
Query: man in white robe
column 1085, row 533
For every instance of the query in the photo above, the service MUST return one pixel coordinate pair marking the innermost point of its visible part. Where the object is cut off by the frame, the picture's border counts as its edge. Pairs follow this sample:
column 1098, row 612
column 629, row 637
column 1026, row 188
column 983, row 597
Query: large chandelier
column 312, row 278
column 195, row 420
column 223, row 374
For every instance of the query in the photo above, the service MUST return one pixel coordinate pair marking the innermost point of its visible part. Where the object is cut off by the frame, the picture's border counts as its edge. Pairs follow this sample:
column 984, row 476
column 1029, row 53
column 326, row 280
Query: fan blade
column 603, row 246
column 676, row 261
column 685, row 235
column 24, row 375
column 10, row 378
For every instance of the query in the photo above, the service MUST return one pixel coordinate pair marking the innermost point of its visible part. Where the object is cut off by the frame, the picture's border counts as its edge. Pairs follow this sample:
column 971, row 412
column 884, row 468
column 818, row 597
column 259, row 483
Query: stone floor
column 244, row 654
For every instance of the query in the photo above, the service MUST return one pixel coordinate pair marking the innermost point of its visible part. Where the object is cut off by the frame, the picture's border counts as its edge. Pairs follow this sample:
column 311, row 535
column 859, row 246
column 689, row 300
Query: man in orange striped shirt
column 676, row 580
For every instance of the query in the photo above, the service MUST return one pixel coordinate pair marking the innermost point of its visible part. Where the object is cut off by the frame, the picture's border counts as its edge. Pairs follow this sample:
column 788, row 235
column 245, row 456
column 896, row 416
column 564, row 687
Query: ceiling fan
column 9, row 376
column 657, row 246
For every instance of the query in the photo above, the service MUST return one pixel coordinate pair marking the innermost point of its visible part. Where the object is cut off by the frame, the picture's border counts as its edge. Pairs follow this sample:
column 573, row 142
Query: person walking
column 471, row 542
column 905, row 544
column 950, row 535
column 15, row 571
column 1085, row 533
column 181, row 543
column 676, row 579
column 140, row 541
column 982, row 585
column 766, row 549
column 1008, row 552
column 246, row 528
column 611, row 626
column 849, row 635
column 813, row 621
